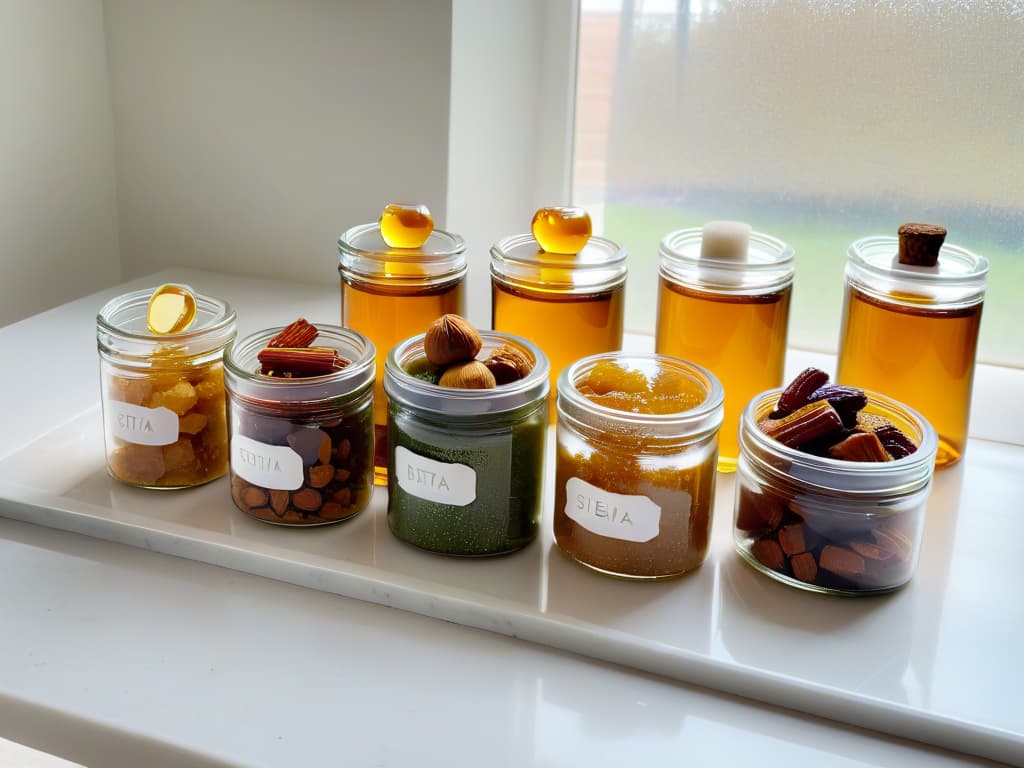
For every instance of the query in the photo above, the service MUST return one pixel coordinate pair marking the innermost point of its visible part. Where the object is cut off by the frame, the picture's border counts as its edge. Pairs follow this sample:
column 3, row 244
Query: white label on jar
column 142, row 426
column 425, row 478
column 615, row 515
column 277, row 467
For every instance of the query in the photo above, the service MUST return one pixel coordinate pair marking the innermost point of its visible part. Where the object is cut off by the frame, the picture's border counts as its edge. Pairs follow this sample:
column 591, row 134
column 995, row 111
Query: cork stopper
column 725, row 240
column 920, row 244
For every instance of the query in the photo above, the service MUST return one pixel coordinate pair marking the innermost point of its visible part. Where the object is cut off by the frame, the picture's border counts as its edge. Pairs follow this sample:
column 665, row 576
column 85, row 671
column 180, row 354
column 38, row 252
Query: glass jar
column 302, row 448
column 634, row 491
column 465, row 465
column 828, row 525
column 164, row 423
column 730, row 316
column 912, row 332
column 389, row 294
column 581, row 295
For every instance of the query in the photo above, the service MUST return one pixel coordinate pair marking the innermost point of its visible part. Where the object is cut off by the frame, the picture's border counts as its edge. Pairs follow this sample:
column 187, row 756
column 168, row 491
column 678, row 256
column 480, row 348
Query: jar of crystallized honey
column 465, row 466
column 397, row 276
column 164, row 422
column 637, row 444
column 302, row 448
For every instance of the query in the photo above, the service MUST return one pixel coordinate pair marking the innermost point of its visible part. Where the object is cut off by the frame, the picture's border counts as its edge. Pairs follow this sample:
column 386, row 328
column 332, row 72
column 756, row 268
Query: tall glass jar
column 634, row 491
column 729, row 315
column 164, row 423
column 574, row 302
column 389, row 294
column 912, row 332
column 302, row 448
column 828, row 525
column 465, row 465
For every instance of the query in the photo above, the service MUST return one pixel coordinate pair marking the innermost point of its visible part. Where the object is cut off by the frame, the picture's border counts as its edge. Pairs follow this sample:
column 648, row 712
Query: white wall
column 250, row 133
column 58, row 219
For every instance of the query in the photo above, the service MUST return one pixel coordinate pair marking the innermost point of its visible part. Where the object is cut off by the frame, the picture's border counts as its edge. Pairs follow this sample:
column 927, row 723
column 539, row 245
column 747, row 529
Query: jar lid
column 958, row 276
column 519, row 260
column 768, row 265
column 364, row 255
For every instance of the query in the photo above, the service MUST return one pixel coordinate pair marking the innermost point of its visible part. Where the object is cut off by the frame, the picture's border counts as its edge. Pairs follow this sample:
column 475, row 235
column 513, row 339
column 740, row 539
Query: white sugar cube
column 725, row 240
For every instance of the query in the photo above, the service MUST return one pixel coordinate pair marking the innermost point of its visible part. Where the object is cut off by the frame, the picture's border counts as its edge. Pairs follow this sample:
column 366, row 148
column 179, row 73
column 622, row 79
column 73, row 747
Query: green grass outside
column 818, row 284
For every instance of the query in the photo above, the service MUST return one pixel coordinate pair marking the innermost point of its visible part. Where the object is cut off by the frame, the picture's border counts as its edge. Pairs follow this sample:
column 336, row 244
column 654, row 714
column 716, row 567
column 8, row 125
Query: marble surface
column 934, row 662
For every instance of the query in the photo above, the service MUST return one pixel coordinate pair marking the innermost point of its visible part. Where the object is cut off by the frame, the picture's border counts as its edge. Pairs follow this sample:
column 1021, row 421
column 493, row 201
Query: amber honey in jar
column 162, row 387
column 723, row 302
column 911, row 331
column 637, row 444
column 397, row 276
column 560, row 286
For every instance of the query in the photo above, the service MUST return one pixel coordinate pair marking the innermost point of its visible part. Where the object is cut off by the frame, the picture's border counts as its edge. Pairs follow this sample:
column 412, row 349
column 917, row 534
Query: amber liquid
column 921, row 356
column 740, row 339
column 388, row 316
column 565, row 326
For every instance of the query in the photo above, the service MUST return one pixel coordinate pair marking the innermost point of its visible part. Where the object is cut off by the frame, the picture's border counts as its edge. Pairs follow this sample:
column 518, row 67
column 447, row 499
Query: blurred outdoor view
column 818, row 122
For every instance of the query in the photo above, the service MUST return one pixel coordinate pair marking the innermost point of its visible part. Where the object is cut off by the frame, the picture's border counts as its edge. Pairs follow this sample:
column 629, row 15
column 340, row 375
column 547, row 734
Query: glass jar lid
column 768, row 265
column 364, row 256
column 518, row 260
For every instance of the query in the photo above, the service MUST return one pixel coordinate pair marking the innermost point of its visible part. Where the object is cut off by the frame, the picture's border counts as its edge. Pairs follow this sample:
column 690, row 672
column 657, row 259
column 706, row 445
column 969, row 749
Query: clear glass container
column 828, row 525
column 912, row 332
column 633, row 491
column 164, row 422
column 389, row 294
column 574, row 302
column 732, row 317
column 302, row 448
column 465, row 466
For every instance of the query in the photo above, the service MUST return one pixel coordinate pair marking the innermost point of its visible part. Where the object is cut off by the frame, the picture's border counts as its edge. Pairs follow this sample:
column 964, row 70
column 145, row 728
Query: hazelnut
column 469, row 375
column 508, row 364
column 451, row 339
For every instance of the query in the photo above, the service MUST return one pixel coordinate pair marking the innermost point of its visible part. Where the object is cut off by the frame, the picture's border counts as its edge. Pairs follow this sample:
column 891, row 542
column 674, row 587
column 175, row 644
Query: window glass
column 816, row 122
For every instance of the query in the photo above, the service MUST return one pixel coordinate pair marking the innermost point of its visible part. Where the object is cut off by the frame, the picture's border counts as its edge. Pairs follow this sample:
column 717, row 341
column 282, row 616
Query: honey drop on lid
column 561, row 230
column 172, row 309
column 405, row 226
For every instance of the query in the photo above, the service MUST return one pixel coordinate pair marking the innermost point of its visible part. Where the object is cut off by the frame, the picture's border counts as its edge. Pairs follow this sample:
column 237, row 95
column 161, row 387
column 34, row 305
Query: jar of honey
column 637, row 443
column 560, row 285
column 723, row 302
column 302, row 448
column 397, row 276
column 465, row 466
column 911, row 330
column 164, row 422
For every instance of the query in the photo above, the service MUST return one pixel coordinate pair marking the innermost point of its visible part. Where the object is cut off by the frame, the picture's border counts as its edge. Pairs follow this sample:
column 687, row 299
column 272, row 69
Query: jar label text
column 437, row 481
column 615, row 515
column 142, row 426
column 277, row 467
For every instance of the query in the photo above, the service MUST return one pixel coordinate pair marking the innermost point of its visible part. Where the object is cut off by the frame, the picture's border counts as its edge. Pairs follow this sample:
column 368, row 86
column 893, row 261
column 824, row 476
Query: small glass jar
column 912, row 332
column 634, row 491
column 164, row 423
column 389, row 294
column 828, row 525
column 581, row 295
column 730, row 316
column 465, row 465
column 302, row 448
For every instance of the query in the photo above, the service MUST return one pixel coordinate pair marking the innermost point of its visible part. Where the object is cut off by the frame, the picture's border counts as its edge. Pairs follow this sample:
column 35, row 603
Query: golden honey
column 741, row 338
column 561, row 230
column 405, row 226
column 723, row 303
column 171, row 309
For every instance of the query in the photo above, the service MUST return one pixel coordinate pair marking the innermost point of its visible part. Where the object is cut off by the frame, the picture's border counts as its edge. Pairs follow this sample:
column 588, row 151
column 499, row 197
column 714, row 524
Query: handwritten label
column 615, row 515
column 142, row 426
column 277, row 467
column 425, row 478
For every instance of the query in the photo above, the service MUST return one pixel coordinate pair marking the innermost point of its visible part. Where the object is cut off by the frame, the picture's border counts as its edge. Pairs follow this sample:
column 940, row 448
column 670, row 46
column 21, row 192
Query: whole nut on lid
column 920, row 244
column 508, row 364
column 451, row 339
column 469, row 375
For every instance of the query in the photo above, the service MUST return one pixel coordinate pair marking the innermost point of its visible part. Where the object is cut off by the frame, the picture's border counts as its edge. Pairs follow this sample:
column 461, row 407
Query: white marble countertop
column 129, row 650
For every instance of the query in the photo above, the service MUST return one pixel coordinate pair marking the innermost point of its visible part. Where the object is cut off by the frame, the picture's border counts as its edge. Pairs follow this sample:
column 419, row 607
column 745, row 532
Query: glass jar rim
column 417, row 393
column 366, row 240
column 957, row 266
column 222, row 318
column 903, row 475
column 704, row 418
column 769, row 264
column 242, row 380
column 600, row 264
